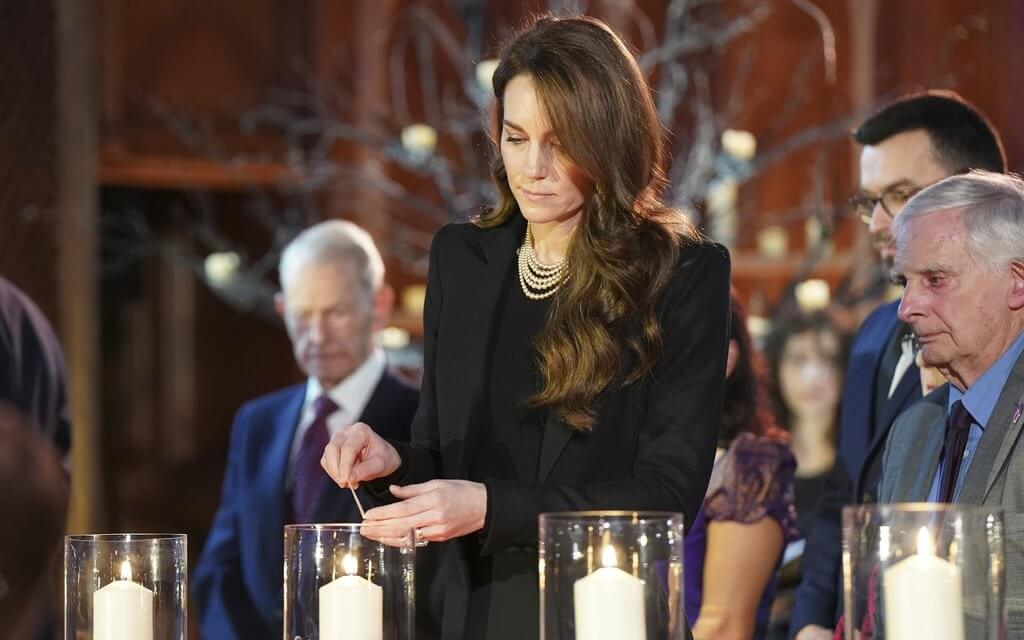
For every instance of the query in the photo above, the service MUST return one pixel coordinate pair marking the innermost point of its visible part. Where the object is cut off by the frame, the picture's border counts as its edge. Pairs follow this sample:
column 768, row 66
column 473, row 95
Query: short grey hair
column 993, row 213
column 338, row 242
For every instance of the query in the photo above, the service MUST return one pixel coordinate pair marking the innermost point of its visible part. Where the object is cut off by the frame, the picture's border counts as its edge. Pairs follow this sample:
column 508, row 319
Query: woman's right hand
column 356, row 454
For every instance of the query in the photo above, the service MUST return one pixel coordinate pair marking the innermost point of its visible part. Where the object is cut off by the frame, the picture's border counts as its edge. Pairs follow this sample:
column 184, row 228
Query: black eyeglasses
column 891, row 199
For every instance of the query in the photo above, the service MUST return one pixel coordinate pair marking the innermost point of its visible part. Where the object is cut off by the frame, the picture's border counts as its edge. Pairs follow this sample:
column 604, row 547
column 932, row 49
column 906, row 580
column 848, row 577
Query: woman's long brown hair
column 626, row 247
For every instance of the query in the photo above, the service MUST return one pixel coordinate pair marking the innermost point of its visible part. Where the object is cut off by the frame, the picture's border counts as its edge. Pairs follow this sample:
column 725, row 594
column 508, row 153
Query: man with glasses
column 908, row 145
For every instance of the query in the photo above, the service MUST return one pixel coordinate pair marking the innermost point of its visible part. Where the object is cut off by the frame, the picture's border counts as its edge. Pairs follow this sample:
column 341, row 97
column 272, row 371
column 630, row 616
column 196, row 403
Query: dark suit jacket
column 237, row 584
column 863, row 428
column 652, row 444
column 995, row 478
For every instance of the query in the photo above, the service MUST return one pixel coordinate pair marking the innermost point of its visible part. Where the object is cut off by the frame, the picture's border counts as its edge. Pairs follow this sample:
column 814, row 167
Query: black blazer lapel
column 556, row 436
column 474, row 317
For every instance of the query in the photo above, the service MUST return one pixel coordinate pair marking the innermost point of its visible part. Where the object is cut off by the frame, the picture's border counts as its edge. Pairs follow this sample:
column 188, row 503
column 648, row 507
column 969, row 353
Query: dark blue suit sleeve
column 225, row 610
column 817, row 597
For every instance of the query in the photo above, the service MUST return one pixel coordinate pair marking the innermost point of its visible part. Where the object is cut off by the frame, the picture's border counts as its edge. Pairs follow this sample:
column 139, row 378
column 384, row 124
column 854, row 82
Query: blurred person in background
column 807, row 356
column 34, row 501
column 736, row 542
column 333, row 300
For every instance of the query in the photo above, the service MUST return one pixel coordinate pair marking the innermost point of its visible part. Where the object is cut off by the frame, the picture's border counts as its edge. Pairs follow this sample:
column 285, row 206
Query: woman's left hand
column 437, row 510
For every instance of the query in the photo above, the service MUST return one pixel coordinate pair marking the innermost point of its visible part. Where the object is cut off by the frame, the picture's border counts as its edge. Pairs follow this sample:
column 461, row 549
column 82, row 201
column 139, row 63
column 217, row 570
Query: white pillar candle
column 351, row 607
column 122, row 610
column 923, row 596
column 609, row 603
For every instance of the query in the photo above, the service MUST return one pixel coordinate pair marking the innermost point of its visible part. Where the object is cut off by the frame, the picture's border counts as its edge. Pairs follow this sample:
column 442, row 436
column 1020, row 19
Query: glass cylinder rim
column 924, row 507
column 615, row 514
column 123, row 537
column 333, row 526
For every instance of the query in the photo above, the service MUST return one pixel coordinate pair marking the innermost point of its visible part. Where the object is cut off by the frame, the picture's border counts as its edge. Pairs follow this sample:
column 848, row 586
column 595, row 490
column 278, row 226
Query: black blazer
column 652, row 443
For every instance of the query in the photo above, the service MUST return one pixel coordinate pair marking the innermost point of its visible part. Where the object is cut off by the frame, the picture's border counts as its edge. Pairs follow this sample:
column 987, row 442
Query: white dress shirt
column 907, row 356
column 351, row 395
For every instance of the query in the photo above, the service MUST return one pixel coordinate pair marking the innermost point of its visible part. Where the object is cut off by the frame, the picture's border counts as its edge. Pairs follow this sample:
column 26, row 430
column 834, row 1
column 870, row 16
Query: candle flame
column 126, row 570
column 925, row 546
column 608, row 556
column 348, row 563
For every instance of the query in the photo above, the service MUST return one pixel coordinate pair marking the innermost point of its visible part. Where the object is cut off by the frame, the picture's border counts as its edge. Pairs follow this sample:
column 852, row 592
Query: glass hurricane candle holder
column 125, row 586
column 342, row 585
column 923, row 570
column 611, row 575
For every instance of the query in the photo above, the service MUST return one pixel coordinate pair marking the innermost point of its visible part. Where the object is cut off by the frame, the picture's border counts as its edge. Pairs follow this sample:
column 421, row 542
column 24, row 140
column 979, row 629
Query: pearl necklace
column 538, row 280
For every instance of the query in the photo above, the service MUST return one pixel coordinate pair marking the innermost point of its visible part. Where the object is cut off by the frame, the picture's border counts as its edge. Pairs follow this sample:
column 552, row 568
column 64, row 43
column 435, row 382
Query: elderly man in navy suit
column 910, row 144
column 333, row 299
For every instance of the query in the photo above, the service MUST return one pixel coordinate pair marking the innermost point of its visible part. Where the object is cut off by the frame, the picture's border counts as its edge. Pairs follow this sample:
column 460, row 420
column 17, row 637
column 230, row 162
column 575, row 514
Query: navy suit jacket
column 863, row 429
column 237, row 584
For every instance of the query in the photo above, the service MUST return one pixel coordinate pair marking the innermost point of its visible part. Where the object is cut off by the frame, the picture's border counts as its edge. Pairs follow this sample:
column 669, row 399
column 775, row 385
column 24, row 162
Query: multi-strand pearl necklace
column 538, row 280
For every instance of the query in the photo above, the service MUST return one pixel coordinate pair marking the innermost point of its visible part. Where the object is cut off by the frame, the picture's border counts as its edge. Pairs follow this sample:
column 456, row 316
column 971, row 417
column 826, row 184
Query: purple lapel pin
column 1017, row 411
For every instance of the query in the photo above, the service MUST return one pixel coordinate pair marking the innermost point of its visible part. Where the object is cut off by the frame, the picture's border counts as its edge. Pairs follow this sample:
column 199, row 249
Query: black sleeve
column 421, row 458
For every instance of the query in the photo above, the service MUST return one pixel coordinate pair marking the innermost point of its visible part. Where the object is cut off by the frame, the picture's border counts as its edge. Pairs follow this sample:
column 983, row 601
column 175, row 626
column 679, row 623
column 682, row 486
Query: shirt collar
column 981, row 397
column 353, row 393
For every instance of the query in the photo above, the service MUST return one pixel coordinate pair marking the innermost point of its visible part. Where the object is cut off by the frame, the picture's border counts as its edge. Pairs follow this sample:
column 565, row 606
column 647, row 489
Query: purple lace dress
column 751, row 481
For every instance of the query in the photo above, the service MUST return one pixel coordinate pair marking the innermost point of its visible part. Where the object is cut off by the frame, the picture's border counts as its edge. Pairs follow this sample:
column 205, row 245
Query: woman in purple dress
column 735, row 545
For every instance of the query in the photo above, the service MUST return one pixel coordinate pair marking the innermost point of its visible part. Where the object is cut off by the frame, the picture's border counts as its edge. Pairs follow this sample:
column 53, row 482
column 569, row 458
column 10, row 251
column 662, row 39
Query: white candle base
column 923, row 600
column 609, row 605
column 351, row 608
column 122, row 610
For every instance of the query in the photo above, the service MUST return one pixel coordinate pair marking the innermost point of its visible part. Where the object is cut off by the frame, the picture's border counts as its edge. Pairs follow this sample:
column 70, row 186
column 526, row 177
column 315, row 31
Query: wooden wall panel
column 28, row 161
column 971, row 46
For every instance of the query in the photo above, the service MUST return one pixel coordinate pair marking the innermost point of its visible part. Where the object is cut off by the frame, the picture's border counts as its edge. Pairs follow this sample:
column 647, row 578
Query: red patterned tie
column 309, row 475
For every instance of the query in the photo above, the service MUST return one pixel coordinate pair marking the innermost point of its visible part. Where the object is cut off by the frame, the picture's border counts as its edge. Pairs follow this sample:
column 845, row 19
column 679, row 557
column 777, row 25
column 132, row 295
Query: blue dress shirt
column 980, row 401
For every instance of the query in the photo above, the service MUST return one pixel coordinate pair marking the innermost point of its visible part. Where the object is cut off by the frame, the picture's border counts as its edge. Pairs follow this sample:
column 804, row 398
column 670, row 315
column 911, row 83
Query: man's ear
column 1015, row 297
column 383, row 304
column 279, row 303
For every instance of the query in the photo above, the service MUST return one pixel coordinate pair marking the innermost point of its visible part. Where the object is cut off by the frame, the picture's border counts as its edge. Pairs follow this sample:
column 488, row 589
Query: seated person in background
column 806, row 354
column 34, row 488
column 736, row 542
column 333, row 299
